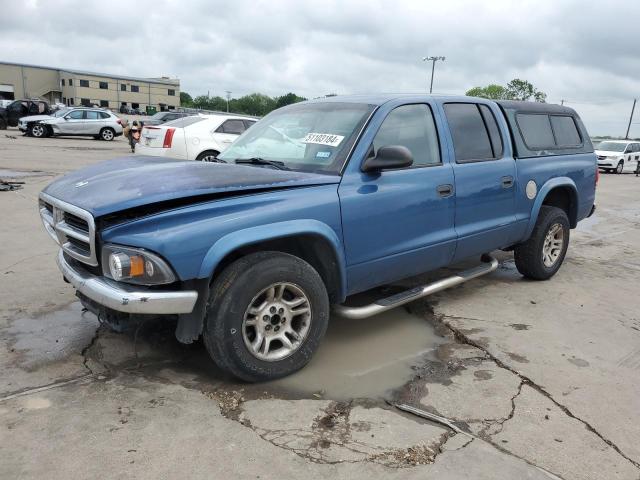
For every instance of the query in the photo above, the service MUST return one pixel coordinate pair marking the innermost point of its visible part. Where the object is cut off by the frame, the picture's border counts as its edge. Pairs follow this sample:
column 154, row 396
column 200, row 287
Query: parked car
column 199, row 137
column 10, row 115
column 81, row 121
column 317, row 202
column 5, row 103
column 618, row 155
column 164, row 117
column 126, row 109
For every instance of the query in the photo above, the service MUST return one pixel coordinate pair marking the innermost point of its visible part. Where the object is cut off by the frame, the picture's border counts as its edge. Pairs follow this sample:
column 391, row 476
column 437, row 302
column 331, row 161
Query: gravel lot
column 539, row 379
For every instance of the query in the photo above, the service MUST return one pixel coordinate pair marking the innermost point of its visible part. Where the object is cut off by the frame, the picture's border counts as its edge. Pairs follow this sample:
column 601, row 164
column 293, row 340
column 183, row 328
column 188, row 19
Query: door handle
column 445, row 190
column 507, row 182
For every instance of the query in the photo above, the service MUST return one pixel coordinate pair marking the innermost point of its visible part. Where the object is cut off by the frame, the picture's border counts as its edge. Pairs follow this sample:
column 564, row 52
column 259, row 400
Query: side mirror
column 387, row 158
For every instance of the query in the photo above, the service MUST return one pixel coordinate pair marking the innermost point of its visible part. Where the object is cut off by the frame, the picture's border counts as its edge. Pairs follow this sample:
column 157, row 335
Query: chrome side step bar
column 489, row 265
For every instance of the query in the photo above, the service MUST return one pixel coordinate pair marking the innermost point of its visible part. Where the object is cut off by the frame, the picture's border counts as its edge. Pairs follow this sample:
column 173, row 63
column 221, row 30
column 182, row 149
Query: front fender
column 542, row 194
column 272, row 231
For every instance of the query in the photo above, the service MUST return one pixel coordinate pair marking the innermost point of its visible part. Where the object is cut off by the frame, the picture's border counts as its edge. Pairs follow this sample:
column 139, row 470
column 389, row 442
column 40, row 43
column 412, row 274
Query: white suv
column 618, row 155
column 199, row 137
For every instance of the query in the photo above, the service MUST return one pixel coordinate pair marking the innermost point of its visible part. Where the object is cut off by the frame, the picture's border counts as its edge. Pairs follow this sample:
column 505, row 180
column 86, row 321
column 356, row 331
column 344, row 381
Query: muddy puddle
column 366, row 358
column 357, row 358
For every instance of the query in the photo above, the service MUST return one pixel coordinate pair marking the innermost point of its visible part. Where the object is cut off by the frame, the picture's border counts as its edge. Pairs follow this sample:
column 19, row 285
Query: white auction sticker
column 323, row 139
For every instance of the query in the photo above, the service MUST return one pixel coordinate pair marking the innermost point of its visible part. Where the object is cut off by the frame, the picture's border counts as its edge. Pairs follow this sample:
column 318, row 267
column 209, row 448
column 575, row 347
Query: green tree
column 185, row 99
column 493, row 92
column 288, row 99
column 256, row 104
column 523, row 90
column 516, row 89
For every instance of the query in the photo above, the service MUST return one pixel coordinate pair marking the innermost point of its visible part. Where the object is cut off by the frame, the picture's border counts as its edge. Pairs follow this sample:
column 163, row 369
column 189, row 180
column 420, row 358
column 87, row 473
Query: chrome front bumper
column 127, row 298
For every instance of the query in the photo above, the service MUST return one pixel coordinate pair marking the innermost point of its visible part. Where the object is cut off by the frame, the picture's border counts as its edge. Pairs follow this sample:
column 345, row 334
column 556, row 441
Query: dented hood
column 130, row 182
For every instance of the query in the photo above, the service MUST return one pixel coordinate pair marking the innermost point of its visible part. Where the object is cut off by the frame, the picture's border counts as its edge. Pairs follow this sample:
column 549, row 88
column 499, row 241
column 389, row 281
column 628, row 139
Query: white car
column 199, row 137
column 618, row 155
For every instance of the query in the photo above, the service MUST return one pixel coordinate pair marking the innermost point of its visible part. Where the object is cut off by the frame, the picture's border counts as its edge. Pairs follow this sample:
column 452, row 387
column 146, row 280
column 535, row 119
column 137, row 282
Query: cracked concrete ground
column 539, row 378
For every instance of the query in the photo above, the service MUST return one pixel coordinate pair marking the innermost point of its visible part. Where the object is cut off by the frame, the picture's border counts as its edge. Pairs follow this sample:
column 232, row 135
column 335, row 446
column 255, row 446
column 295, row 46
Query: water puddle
column 365, row 358
column 357, row 359
column 52, row 336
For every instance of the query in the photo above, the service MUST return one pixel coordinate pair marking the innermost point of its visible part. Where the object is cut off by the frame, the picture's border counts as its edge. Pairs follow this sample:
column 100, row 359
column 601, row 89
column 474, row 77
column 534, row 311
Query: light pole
column 433, row 61
column 228, row 98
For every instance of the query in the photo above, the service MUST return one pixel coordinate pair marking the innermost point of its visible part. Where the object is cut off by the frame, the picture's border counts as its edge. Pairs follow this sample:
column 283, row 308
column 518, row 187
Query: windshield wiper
column 262, row 161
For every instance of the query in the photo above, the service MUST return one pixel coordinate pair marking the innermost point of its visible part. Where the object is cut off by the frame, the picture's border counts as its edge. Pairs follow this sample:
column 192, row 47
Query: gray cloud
column 577, row 51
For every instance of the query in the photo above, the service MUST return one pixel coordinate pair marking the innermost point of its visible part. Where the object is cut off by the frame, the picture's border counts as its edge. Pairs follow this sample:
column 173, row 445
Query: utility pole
column 626, row 137
column 228, row 98
column 433, row 61
column 561, row 102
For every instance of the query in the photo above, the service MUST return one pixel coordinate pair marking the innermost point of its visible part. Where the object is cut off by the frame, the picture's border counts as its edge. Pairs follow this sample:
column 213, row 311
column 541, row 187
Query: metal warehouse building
column 77, row 87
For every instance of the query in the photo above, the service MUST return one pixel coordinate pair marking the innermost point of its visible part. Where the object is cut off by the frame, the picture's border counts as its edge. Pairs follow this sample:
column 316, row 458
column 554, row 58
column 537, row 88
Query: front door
column 485, row 180
column 398, row 223
column 73, row 123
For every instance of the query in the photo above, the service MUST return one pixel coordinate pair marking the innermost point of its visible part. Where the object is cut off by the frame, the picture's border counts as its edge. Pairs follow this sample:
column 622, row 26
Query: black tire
column 619, row 168
column 529, row 255
column 208, row 156
column 3, row 124
column 235, row 290
column 107, row 134
column 37, row 130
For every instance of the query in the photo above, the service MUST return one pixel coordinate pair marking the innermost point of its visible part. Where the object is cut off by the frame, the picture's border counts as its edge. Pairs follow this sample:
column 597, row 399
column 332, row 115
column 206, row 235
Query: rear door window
column 93, row 115
column 536, row 131
column 565, row 130
column 471, row 140
column 494, row 131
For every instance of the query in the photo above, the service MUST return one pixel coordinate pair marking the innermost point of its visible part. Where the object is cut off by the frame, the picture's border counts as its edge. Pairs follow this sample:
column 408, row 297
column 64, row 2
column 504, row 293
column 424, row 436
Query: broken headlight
column 135, row 265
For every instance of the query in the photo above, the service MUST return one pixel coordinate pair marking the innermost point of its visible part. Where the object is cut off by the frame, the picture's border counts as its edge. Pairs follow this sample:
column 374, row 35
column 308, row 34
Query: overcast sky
column 585, row 53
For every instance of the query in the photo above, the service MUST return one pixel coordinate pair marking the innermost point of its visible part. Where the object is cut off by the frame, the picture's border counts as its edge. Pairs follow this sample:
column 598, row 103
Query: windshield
column 612, row 147
column 308, row 136
column 183, row 122
column 158, row 116
column 60, row 113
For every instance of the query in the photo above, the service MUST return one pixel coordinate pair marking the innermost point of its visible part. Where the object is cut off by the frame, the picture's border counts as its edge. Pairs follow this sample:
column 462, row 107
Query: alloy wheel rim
column 37, row 130
column 553, row 243
column 107, row 135
column 208, row 158
column 277, row 322
column 619, row 168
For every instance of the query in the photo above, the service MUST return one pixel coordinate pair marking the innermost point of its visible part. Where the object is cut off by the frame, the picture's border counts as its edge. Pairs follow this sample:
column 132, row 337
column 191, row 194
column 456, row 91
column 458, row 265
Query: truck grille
column 71, row 227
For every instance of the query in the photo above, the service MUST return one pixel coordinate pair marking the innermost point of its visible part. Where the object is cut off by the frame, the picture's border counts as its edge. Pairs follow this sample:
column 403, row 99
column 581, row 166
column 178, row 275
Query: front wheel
column 267, row 314
column 620, row 167
column 541, row 256
column 38, row 130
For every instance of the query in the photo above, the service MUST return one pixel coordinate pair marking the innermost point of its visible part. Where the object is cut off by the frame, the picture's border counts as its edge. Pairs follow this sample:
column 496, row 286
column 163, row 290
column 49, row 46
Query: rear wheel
column 3, row 124
column 267, row 313
column 541, row 256
column 38, row 130
column 620, row 167
column 107, row 134
column 208, row 156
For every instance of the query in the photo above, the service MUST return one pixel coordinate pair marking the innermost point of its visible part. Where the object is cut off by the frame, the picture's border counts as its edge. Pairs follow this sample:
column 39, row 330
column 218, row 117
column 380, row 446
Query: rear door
column 93, row 122
column 485, row 179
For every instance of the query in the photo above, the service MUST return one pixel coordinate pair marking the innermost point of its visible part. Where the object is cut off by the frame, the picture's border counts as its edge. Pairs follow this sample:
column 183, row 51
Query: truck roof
column 381, row 98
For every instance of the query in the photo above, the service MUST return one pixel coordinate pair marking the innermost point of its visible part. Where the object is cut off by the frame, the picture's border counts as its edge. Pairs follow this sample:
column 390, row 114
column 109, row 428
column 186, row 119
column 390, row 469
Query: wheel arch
column 311, row 240
column 558, row 192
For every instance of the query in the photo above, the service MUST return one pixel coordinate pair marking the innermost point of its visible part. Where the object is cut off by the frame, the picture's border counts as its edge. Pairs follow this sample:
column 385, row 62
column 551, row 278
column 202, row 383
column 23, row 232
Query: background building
column 77, row 87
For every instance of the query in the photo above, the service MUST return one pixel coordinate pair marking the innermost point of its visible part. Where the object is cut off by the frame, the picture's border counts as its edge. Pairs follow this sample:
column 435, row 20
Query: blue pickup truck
column 317, row 202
